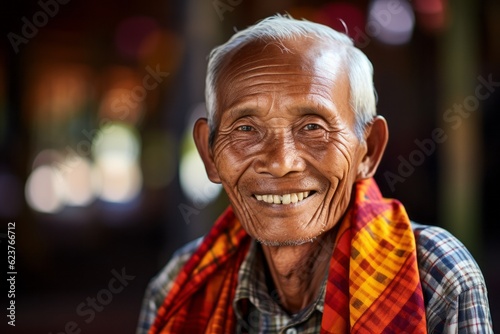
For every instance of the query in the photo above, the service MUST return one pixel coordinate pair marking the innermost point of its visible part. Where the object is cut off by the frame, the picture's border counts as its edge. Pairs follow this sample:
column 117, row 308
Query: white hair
column 280, row 28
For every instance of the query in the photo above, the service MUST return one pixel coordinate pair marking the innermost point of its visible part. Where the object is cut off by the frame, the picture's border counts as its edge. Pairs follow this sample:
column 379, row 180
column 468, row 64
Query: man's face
column 285, row 149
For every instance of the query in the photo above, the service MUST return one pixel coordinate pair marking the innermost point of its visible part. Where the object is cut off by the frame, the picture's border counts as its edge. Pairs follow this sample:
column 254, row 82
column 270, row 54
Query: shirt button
column 291, row 331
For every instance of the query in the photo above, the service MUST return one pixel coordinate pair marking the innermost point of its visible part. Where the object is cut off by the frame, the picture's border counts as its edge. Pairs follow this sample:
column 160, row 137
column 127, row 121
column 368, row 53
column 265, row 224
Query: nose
column 280, row 155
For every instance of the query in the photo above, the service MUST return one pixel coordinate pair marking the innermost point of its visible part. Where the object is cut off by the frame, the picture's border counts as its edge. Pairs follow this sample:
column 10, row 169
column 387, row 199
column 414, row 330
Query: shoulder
column 161, row 284
column 453, row 285
column 444, row 260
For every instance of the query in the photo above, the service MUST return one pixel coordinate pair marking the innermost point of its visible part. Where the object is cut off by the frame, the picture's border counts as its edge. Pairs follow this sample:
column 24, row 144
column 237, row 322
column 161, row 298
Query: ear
column 376, row 136
column 201, row 133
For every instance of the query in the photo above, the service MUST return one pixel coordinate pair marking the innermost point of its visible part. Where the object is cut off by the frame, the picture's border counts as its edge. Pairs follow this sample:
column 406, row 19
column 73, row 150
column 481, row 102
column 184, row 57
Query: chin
column 282, row 242
column 285, row 243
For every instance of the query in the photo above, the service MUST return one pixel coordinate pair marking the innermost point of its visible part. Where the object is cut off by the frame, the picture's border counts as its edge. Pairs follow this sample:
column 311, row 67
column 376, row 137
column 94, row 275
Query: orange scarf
column 373, row 285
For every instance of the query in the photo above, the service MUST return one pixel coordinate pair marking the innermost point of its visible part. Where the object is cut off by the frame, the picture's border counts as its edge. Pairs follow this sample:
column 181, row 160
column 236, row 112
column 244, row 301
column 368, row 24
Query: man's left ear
column 377, row 135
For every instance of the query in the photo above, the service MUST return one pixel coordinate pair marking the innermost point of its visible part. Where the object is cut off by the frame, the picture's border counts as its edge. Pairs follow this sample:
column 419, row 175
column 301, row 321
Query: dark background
column 60, row 82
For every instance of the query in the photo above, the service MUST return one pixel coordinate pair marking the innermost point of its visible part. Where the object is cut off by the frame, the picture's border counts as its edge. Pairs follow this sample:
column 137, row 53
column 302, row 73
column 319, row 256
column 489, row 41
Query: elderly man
column 308, row 244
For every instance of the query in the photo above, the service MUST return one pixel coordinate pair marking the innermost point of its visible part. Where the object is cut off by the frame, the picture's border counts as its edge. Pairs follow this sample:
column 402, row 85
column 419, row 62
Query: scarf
column 373, row 283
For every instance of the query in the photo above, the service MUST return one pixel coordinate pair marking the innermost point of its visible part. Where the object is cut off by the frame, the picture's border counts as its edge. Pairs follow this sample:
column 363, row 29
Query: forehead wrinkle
column 248, row 94
column 255, row 61
column 253, row 64
column 245, row 75
column 249, row 64
column 255, row 52
column 303, row 68
column 239, row 75
column 251, row 107
column 277, row 77
column 237, row 71
column 284, row 90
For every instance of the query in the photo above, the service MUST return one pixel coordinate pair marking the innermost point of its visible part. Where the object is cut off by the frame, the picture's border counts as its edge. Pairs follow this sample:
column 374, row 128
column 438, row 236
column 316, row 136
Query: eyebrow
column 317, row 109
column 239, row 112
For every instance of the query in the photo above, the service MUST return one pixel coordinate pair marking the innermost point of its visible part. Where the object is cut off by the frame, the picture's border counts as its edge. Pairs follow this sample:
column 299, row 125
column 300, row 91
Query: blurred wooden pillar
column 460, row 156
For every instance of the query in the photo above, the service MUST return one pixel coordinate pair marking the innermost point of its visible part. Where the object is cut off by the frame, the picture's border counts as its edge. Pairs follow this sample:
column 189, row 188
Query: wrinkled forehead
column 306, row 57
column 305, row 54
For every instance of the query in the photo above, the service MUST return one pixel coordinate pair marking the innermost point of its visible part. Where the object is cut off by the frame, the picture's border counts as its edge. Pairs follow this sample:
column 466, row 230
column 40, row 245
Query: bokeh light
column 73, row 180
column 431, row 14
column 193, row 178
column 119, row 180
column 124, row 98
column 44, row 190
column 46, row 157
column 116, row 153
column 118, row 105
column 391, row 21
column 77, row 181
column 58, row 92
column 116, row 139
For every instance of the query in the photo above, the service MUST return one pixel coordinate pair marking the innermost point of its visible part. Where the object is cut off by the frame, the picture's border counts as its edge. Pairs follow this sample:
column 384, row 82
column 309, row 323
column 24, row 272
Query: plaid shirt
column 453, row 286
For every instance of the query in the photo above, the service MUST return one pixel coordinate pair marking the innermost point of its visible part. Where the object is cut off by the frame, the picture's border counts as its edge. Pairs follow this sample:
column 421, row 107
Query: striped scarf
column 373, row 284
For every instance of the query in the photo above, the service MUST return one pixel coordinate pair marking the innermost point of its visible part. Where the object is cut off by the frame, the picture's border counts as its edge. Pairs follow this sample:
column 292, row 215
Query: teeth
column 284, row 199
column 267, row 198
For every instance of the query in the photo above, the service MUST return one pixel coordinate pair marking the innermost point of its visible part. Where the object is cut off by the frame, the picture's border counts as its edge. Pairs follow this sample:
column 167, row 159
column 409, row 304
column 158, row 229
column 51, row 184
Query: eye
column 245, row 128
column 312, row 126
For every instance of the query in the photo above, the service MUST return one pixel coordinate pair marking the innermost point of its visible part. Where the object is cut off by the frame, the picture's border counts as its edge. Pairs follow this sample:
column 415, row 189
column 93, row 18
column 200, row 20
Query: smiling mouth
column 285, row 198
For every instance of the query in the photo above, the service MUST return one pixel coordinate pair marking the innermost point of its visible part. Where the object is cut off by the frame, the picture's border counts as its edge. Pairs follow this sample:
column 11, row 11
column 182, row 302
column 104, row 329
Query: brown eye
column 310, row 127
column 245, row 128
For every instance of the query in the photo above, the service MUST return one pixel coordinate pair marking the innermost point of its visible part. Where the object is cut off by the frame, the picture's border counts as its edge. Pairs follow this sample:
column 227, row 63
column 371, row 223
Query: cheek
column 231, row 161
column 336, row 161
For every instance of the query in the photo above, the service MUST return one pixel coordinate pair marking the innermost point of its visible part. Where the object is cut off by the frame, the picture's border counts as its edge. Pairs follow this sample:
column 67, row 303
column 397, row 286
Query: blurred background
column 100, row 175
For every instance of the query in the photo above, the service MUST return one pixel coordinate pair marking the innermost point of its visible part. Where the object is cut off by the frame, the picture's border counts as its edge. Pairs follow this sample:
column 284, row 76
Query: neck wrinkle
column 296, row 273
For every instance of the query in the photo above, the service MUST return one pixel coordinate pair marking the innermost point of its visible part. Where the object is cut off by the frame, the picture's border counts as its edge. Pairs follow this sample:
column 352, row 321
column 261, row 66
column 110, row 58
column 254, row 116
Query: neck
column 298, row 271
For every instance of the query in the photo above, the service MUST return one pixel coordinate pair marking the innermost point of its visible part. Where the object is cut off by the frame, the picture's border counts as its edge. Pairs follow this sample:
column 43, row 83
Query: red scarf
column 373, row 284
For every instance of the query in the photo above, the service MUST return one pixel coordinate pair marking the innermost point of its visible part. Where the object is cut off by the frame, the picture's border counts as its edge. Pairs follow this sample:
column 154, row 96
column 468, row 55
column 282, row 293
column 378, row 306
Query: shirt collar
column 252, row 288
